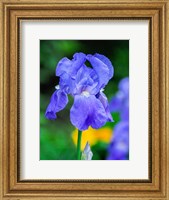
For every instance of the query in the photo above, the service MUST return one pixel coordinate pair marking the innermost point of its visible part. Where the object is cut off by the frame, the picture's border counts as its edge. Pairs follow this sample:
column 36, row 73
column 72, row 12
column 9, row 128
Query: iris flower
column 120, row 102
column 85, row 84
column 119, row 146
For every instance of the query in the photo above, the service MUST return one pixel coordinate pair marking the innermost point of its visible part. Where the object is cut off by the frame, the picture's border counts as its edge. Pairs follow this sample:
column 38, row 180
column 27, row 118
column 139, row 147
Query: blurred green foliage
column 55, row 136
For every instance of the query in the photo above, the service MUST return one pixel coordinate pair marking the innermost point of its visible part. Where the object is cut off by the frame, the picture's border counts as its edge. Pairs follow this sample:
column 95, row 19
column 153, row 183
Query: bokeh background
column 58, row 138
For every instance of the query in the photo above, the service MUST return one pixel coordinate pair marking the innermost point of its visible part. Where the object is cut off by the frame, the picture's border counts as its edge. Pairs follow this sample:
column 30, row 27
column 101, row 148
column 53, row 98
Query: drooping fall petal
column 87, row 111
column 58, row 101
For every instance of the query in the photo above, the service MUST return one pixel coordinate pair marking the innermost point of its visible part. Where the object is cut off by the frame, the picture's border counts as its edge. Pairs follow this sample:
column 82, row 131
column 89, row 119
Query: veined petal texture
column 70, row 66
column 107, row 62
column 103, row 99
column 87, row 111
column 101, row 70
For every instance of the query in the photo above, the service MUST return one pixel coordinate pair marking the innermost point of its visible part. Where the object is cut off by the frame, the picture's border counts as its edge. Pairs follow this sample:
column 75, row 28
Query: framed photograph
column 84, row 99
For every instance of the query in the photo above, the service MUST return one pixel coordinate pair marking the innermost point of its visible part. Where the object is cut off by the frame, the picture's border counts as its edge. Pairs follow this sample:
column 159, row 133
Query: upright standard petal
column 87, row 111
column 107, row 62
column 103, row 99
column 101, row 70
column 63, row 66
column 78, row 60
column 86, row 79
column 58, row 101
column 83, row 77
column 70, row 66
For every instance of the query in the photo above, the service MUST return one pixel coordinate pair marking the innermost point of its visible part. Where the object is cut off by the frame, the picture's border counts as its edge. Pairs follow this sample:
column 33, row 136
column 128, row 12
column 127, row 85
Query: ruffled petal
column 83, row 76
column 70, row 66
column 86, row 80
column 101, row 70
column 58, row 101
column 67, row 84
column 87, row 111
column 64, row 66
column 102, row 97
column 78, row 60
column 107, row 62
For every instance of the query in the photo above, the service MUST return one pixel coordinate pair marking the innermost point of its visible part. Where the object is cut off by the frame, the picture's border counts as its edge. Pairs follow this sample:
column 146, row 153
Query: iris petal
column 58, row 101
column 119, row 147
column 116, row 103
column 101, row 69
column 124, row 115
column 120, row 102
column 103, row 99
column 70, row 66
column 66, row 83
column 87, row 111
column 124, row 86
column 63, row 66
column 107, row 62
column 121, row 129
column 86, row 80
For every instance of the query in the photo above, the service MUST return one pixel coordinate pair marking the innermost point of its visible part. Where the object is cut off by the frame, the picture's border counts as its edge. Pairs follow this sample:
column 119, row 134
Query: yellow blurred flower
column 93, row 136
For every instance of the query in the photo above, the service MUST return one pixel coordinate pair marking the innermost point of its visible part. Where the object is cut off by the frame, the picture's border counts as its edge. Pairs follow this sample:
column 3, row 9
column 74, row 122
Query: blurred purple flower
column 119, row 146
column 86, row 85
column 120, row 102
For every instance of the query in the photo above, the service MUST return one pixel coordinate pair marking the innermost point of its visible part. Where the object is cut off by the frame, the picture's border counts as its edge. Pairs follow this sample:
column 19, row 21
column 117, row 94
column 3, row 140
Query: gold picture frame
column 12, row 13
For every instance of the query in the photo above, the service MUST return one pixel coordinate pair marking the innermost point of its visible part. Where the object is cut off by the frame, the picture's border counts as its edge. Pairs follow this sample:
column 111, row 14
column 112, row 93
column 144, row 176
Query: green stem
column 79, row 145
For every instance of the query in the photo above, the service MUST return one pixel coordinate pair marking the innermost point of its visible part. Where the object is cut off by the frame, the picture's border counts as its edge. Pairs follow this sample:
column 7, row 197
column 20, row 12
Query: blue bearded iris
column 90, row 107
